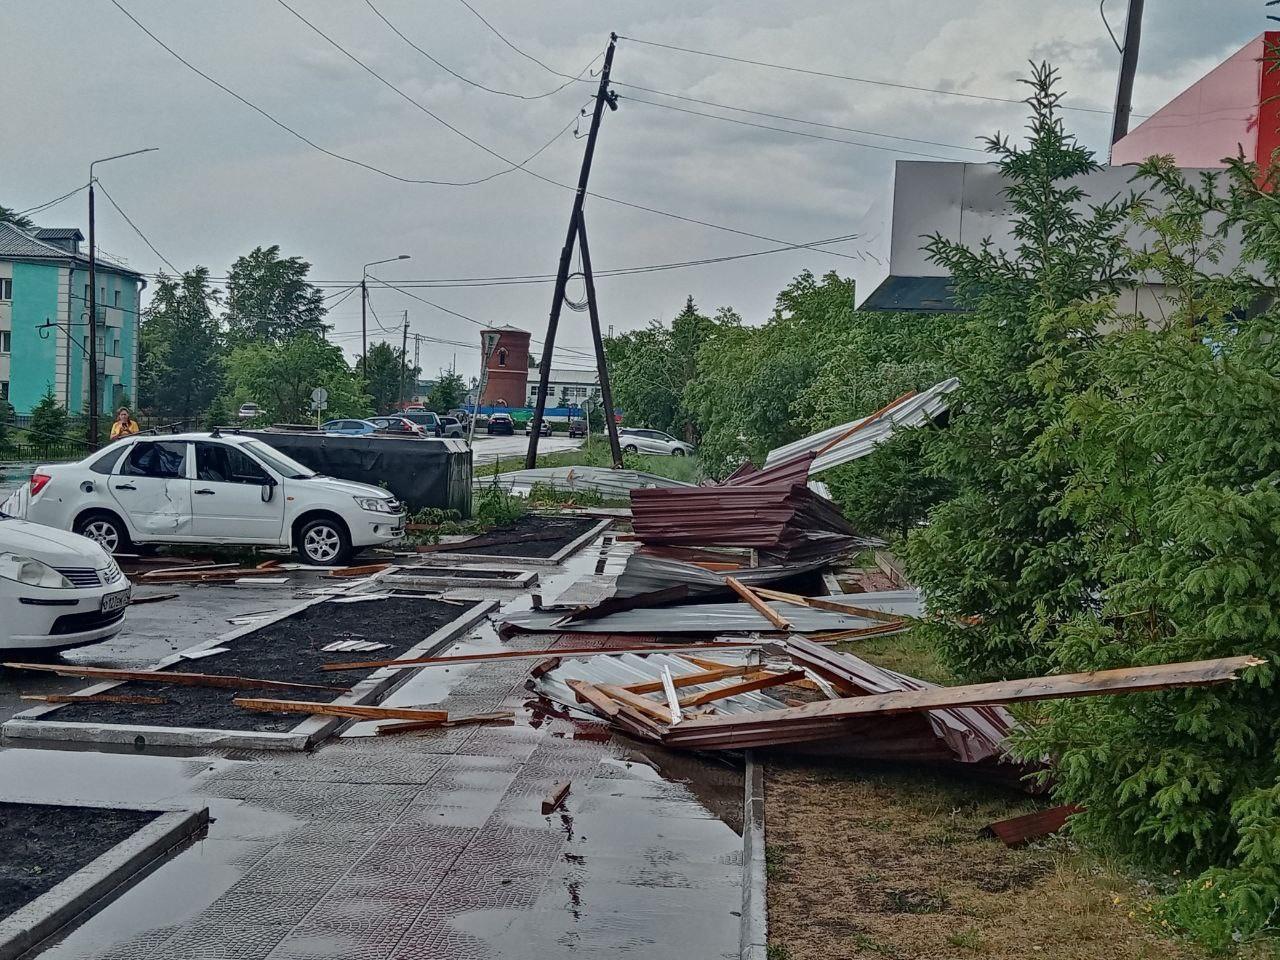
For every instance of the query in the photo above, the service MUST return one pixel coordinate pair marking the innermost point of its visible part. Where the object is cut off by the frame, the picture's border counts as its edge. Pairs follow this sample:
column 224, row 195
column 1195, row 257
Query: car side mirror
column 268, row 489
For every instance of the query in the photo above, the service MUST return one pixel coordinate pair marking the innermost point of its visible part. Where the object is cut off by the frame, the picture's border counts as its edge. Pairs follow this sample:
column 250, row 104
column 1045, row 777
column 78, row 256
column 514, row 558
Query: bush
column 496, row 507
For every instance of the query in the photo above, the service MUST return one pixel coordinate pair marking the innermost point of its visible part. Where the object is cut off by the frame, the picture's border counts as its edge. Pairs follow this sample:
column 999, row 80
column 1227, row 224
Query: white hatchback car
column 57, row 589
column 209, row 488
column 643, row 440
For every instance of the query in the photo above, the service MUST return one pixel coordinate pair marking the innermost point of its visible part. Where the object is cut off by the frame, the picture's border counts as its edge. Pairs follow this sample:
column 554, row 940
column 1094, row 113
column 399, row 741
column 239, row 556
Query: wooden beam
column 170, row 676
column 635, row 701
column 408, row 726
column 562, row 652
column 364, row 571
column 1094, row 683
column 759, row 605
column 825, row 603
column 93, row 698
column 704, row 662
column 759, row 681
column 691, row 679
column 590, row 693
column 341, row 710
column 853, row 633
column 555, row 798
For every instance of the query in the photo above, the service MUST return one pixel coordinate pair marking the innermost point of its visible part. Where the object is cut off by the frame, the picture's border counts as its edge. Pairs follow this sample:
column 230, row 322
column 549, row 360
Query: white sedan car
column 643, row 440
column 209, row 488
column 57, row 590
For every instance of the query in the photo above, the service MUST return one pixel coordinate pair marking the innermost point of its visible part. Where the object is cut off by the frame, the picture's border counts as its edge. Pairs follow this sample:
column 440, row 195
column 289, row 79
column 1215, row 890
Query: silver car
column 643, row 440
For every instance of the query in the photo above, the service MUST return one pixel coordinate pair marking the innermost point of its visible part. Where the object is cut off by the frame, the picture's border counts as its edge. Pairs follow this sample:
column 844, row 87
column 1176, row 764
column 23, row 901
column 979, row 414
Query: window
column 219, row 463
column 117, row 298
column 107, row 462
column 165, row 459
column 6, row 340
column 4, row 389
column 6, row 288
column 502, row 357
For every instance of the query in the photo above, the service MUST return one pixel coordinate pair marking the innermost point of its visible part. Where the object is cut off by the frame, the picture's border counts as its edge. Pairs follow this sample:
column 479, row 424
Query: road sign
column 319, row 395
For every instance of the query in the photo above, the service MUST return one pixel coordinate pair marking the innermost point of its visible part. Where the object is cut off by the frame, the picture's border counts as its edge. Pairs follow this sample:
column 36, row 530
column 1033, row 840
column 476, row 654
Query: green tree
column 269, row 298
column 447, row 393
column 280, row 377
column 6, row 429
column 999, row 554
column 217, row 414
column 387, row 378
column 180, row 347
column 9, row 215
column 49, row 422
column 1175, row 462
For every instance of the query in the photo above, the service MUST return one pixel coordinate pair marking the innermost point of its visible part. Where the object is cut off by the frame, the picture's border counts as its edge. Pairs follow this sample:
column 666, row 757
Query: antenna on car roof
column 214, row 432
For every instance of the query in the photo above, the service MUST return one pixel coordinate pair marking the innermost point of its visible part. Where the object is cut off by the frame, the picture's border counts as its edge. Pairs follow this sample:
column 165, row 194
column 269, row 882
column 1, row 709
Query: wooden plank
column 705, row 663
column 544, row 666
column 203, row 576
column 691, row 679
column 1094, row 683
column 590, row 693
column 364, row 571
column 155, row 599
column 169, row 676
column 824, row 603
column 268, row 564
column 635, row 701
column 759, row 605
column 340, row 709
column 853, row 633
column 408, row 726
column 1032, row 826
column 186, row 568
column 94, row 698
column 755, row 682
column 538, row 654
column 555, row 798
column 864, row 422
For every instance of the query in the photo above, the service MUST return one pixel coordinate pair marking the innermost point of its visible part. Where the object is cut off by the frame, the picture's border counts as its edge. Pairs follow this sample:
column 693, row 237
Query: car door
column 151, row 487
column 227, row 497
column 648, row 442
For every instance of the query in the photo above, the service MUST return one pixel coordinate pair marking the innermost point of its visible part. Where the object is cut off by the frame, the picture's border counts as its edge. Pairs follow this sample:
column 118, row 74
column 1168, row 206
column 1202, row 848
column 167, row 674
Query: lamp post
column 93, row 301
column 364, row 305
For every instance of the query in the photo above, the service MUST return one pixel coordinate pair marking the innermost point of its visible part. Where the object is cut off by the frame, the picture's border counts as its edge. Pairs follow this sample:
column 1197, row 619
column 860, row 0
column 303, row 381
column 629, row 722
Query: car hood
column 58, row 548
column 348, row 488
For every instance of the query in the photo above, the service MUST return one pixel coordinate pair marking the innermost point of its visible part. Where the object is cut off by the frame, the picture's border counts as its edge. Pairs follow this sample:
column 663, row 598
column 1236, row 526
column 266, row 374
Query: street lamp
column 364, row 304
column 93, row 301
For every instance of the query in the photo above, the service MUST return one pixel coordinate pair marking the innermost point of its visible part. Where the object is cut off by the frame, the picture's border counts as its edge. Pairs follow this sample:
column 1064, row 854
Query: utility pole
column 364, row 308
column 404, row 357
column 94, row 401
column 606, row 394
column 603, row 97
column 1128, row 68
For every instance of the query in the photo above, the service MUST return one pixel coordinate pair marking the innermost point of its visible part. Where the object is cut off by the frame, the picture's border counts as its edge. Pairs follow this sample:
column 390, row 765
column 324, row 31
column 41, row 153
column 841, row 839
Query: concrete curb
column 406, row 577
column 754, row 942
column 556, row 559
column 371, row 690
column 93, row 885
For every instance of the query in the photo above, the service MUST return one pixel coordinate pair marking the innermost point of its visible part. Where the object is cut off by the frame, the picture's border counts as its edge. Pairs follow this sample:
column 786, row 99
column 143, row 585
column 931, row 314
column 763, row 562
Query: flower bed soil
column 286, row 650
column 560, row 532
column 43, row 845
column 465, row 573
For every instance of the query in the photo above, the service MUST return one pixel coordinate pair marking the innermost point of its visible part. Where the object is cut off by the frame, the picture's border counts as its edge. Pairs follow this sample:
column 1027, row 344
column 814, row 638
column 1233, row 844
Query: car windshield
column 278, row 462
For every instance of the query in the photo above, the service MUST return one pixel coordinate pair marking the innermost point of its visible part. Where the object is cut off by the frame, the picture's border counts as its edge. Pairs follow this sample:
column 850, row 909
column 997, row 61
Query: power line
column 498, row 34
column 40, row 207
column 476, row 83
column 794, row 133
column 841, row 76
column 166, row 260
column 325, row 150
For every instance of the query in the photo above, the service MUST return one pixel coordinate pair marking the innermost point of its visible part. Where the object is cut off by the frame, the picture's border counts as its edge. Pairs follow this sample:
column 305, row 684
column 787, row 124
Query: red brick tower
column 506, row 381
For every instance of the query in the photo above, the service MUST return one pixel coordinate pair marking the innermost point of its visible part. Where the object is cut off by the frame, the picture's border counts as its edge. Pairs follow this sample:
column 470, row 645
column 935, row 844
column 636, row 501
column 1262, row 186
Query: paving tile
column 242, row 905
column 222, row 941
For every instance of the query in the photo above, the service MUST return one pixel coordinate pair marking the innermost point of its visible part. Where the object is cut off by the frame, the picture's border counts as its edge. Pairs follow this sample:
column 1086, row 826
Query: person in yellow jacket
column 125, row 425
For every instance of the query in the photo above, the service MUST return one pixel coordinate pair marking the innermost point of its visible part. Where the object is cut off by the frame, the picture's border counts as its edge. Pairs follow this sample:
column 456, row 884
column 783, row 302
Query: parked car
column 349, row 428
column 637, row 440
column 57, row 589
column 453, row 427
column 248, row 411
column 577, row 428
column 545, row 431
column 425, row 419
column 210, row 488
column 501, row 423
column 399, row 425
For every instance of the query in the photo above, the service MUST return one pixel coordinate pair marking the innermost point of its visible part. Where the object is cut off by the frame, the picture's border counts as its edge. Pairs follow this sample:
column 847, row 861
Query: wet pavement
column 416, row 847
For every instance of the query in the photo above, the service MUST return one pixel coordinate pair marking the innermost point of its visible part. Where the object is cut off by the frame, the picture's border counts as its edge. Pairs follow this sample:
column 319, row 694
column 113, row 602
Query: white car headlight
column 375, row 504
column 32, row 572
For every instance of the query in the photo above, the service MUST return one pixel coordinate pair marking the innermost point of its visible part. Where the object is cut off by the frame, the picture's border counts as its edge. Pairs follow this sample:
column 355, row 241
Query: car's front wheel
column 678, row 452
column 324, row 542
column 105, row 529
column 630, row 448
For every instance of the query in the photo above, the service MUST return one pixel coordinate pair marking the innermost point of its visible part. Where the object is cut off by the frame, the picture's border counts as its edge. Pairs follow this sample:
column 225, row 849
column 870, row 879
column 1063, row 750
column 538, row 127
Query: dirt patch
column 286, row 650
column 888, row 863
column 460, row 572
column 43, row 845
column 552, row 534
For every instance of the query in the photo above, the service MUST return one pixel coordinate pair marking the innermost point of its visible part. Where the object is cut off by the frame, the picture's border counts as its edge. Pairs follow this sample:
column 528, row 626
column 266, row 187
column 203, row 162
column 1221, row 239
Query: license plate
column 115, row 601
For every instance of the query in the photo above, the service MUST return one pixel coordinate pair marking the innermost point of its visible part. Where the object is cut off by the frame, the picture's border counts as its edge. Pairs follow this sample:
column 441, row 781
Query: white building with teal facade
column 44, row 310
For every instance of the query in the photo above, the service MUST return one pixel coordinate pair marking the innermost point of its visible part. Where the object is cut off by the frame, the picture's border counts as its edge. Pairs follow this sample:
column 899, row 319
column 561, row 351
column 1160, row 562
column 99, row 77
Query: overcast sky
column 82, row 81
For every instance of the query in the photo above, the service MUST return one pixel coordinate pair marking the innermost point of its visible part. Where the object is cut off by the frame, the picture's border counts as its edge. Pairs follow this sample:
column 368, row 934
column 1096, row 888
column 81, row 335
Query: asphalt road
column 486, row 448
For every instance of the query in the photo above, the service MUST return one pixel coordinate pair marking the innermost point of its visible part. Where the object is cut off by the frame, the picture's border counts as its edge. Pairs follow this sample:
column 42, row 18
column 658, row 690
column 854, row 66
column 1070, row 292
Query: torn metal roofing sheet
column 609, row 483
column 853, row 440
column 645, row 573
column 695, row 618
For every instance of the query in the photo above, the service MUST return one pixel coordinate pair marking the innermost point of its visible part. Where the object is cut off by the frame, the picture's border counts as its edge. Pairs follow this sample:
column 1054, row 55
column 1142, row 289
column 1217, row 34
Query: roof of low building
column 58, row 233
column 505, row 328
column 567, row 375
column 16, row 244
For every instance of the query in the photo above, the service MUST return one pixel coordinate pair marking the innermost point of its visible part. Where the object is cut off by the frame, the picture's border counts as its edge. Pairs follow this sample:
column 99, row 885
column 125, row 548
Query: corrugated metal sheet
column 645, row 573
column 609, row 483
column 853, row 440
